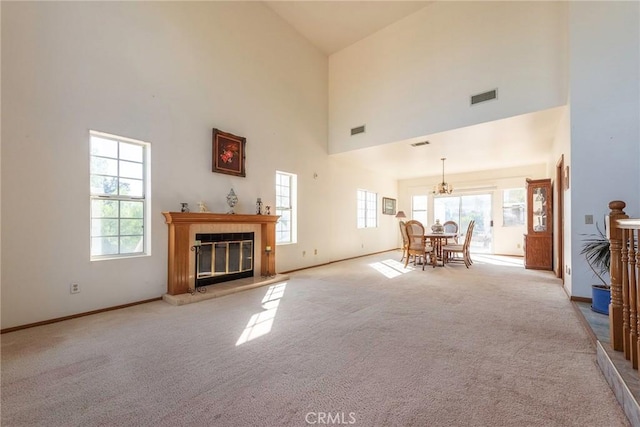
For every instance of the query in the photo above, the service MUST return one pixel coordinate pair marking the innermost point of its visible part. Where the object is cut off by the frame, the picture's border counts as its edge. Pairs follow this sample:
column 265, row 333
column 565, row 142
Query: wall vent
column 359, row 129
column 420, row 144
column 486, row 96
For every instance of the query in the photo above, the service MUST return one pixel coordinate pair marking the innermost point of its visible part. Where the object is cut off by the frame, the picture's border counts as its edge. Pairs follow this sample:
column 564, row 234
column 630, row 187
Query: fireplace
column 221, row 257
column 183, row 227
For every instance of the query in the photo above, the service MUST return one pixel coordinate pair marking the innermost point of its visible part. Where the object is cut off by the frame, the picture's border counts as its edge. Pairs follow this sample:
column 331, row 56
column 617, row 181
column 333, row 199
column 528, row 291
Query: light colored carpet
column 493, row 345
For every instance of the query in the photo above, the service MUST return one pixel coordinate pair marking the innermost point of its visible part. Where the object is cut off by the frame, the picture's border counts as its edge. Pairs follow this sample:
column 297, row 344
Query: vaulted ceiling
column 512, row 142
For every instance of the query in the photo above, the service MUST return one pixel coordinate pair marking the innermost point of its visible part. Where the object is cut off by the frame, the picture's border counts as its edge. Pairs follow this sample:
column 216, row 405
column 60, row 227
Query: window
column 419, row 209
column 513, row 208
column 463, row 209
column 367, row 209
column 119, row 188
column 286, row 207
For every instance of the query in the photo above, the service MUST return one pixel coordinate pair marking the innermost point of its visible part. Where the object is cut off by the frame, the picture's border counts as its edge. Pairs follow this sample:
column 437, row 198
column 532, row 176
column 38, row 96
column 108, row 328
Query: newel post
column 614, row 234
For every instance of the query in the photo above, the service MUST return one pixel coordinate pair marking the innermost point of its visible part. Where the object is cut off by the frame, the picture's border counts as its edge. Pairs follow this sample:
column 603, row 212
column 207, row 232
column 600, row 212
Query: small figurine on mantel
column 202, row 207
column 232, row 200
column 267, row 210
column 184, row 207
column 259, row 206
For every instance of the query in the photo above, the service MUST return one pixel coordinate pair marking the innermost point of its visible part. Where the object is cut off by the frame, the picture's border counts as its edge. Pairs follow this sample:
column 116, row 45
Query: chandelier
column 443, row 187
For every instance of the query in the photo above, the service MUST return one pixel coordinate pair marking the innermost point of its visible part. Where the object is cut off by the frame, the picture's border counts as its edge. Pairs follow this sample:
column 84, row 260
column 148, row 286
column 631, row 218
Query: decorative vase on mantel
column 232, row 200
column 437, row 227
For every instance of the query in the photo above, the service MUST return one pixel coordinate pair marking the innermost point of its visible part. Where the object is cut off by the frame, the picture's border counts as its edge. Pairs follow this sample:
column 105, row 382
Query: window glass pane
column 513, row 207
column 419, row 203
column 104, row 184
column 131, row 209
column 131, row 187
column 133, row 152
column 104, row 246
column 104, row 166
column 419, row 209
column 131, row 170
column 104, row 227
column 447, row 209
column 104, row 208
column 131, row 227
column 131, row 244
column 283, row 226
column 104, row 147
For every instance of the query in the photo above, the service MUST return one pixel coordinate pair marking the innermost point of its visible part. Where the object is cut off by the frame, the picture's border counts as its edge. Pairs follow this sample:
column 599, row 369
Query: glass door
column 463, row 209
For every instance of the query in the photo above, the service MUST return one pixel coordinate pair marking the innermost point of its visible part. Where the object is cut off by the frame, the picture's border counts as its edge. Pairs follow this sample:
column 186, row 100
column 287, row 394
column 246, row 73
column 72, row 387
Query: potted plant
column 595, row 249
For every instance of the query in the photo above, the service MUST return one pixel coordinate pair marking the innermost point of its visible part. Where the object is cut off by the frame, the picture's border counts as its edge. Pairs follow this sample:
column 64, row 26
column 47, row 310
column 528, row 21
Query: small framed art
column 228, row 153
column 388, row 206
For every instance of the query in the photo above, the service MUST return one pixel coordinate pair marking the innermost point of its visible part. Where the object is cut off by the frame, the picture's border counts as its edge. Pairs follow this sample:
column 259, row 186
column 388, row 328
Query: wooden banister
column 616, row 315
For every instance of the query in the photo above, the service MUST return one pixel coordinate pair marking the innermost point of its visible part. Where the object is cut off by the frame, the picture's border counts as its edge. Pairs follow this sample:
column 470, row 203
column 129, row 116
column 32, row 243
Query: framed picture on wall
column 388, row 206
column 228, row 153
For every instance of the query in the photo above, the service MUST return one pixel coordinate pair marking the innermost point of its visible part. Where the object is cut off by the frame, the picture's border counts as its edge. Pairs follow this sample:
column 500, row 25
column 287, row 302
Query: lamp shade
column 400, row 214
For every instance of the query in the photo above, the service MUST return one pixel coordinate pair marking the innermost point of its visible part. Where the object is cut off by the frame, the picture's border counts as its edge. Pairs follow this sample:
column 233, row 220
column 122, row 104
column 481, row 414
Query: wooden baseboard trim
column 580, row 299
column 338, row 260
column 74, row 316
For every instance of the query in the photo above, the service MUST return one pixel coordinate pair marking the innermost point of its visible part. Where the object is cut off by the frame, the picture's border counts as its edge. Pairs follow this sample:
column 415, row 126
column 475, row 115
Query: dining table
column 438, row 240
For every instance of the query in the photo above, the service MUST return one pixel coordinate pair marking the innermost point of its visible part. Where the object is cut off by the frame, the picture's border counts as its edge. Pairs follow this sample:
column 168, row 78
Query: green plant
column 595, row 249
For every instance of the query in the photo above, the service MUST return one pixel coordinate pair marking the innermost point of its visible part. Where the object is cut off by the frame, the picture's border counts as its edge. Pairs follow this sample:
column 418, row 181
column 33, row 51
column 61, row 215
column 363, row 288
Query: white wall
column 506, row 240
column 605, row 130
column 348, row 240
column 415, row 77
column 167, row 73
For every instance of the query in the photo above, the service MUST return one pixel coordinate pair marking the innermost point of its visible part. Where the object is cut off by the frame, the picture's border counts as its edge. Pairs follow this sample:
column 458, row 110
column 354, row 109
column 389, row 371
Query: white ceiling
column 512, row 142
column 334, row 25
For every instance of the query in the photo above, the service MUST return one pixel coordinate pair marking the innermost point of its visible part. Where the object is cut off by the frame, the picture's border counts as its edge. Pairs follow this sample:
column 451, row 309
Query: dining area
column 437, row 246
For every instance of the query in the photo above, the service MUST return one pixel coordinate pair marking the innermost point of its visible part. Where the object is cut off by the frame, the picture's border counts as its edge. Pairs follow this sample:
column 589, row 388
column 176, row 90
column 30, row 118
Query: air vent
column 359, row 129
column 482, row 97
column 420, row 144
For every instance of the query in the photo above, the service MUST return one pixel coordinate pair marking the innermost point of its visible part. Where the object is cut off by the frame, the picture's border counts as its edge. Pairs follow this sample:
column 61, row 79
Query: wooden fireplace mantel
column 181, row 235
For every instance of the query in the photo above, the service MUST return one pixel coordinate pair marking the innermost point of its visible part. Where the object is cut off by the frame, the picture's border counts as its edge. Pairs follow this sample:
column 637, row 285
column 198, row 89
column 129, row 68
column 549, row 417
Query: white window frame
column 367, row 209
column 145, row 198
column 290, row 209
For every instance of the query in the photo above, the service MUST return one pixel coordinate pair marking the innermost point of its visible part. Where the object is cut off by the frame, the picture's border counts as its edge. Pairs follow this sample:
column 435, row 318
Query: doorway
column 463, row 209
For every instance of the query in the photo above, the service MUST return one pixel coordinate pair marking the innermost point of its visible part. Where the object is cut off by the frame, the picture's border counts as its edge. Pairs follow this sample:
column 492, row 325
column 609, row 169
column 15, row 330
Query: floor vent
column 420, row 144
column 359, row 129
column 486, row 96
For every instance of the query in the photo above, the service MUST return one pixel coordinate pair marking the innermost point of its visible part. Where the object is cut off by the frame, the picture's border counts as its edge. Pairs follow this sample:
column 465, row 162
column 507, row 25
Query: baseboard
column 338, row 260
column 74, row 316
column 580, row 299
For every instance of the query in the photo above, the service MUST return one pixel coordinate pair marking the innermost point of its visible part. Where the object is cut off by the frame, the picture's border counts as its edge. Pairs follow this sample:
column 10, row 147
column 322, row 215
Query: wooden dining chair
column 451, row 227
column 405, row 239
column 418, row 246
column 449, row 251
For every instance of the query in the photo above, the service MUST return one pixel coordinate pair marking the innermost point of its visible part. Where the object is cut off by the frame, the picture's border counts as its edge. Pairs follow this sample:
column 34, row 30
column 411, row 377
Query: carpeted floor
column 361, row 342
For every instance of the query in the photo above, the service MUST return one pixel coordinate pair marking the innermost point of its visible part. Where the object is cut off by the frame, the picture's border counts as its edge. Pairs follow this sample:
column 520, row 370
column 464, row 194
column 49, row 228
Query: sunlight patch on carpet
column 390, row 268
column 260, row 323
column 504, row 261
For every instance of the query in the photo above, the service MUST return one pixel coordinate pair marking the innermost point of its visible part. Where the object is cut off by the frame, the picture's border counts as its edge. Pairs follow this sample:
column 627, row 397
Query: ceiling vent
column 355, row 131
column 483, row 97
column 420, row 144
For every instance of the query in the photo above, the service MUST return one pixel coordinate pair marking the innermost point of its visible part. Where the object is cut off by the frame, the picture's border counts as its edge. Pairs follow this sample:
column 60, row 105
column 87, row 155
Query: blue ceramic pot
column 600, row 298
